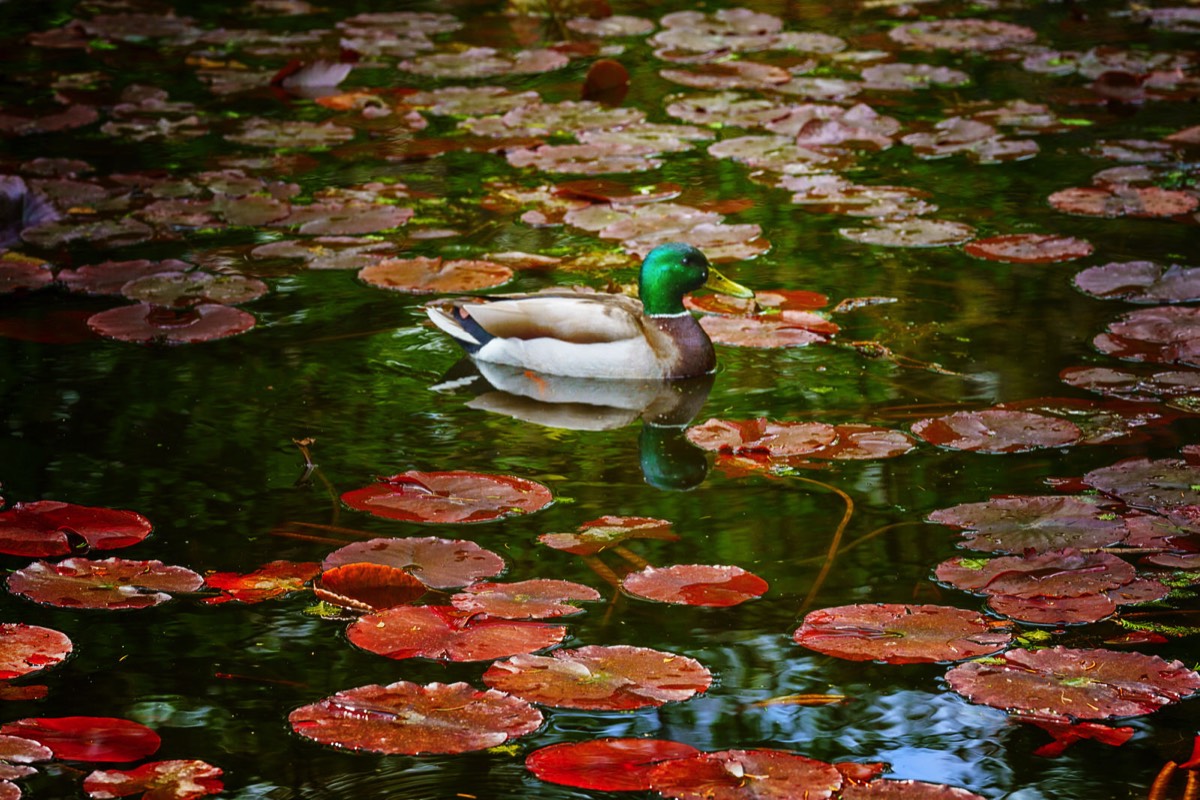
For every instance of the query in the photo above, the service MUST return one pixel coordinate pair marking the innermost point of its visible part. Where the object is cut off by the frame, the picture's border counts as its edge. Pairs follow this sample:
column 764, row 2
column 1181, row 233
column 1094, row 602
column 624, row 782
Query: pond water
column 201, row 438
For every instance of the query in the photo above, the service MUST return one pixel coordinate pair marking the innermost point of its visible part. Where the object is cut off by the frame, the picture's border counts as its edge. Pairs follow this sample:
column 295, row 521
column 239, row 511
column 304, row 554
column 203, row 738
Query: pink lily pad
column 21, row 273
column 158, row 780
column 439, row 563
column 1120, row 201
column 600, row 678
column 1156, row 484
column 1133, row 386
column 422, row 275
column 87, row 738
column 1163, row 334
column 915, row 232
column 407, row 718
column 1066, row 684
column 30, row 648
column 145, row 323
column 997, row 431
column 784, row 329
column 762, row 436
column 446, row 634
column 900, row 634
column 728, row 75
column 540, row 598
column 608, row 764
column 108, row 277
column 51, row 528
column 745, row 774
column 452, row 497
column 695, row 585
column 1141, row 282
column 1038, row 523
column 484, row 62
column 962, row 34
column 771, row 299
column 274, row 579
column 183, row 289
column 1029, row 248
column 1058, row 574
column 114, row 583
column 600, row 534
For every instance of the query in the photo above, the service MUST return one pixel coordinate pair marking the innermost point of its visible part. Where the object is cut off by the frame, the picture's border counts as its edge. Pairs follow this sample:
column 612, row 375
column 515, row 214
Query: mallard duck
column 595, row 335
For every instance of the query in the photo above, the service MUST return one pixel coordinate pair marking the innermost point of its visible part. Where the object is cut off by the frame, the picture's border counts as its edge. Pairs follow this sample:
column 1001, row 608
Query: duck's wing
column 577, row 319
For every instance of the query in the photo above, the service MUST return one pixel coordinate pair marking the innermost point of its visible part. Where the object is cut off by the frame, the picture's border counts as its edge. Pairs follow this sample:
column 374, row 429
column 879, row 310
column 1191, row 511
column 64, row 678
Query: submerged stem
column 831, row 555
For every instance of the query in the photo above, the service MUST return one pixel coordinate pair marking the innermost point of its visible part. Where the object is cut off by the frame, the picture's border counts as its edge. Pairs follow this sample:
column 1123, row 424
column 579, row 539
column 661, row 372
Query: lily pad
column 540, row 598
column 406, row 718
column 30, row 648
column 185, row 289
column 423, row 275
column 962, row 34
column 762, row 436
column 783, row 329
column 452, row 497
column 600, row 678
column 997, row 431
column 145, row 323
column 107, row 278
column 1121, row 201
column 271, row 580
column 915, row 232
column 87, row 738
column 1029, row 248
column 46, row 528
column 446, row 634
column 889, row 789
column 169, row 780
column 1156, row 484
column 746, row 775
column 364, row 586
column 113, row 583
column 900, row 634
column 1057, row 573
column 1163, row 335
column 1133, row 386
column 608, row 764
column 439, row 563
column 1141, row 282
column 1065, row 684
column 1037, row 523
column 695, row 585
column 600, row 534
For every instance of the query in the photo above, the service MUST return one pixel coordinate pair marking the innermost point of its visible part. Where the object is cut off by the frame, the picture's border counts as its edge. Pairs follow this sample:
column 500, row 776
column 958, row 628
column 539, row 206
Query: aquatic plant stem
column 831, row 555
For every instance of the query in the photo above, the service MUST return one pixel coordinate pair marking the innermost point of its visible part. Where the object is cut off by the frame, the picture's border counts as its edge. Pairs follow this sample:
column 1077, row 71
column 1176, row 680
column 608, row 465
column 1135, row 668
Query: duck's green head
column 672, row 270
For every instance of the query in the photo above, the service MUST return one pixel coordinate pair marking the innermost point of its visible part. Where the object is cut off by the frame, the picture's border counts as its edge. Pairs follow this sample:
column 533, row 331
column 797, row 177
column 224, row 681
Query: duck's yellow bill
column 719, row 283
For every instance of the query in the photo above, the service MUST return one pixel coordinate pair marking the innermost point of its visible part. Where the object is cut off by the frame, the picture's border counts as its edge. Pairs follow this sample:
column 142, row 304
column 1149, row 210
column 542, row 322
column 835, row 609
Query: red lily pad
column 1141, row 282
column 914, row 232
column 51, row 528
column 1067, row 733
column 422, row 275
column 444, row 633
column 29, row 648
column 1156, row 484
column 1037, row 523
column 997, row 431
column 184, row 289
column 1076, row 610
column 449, row 497
column 113, row 583
column 1058, row 573
column 607, row 765
column 21, row 273
column 270, row 580
column 108, row 277
column 534, row 599
column 695, row 585
column 1121, row 201
column 600, row 534
column 866, row 442
column 484, row 62
column 767, row 300
column 907, row 77
column 87, row 738
column 145, row 323
column 439, row 563
column 368, row 587
column 407, row 718
column 746, row 775
column 1029, row 248
column 601, row 678
column 889, row 789
column 158, row 780
column 762, row 436
column 900, row 634
column 962, row 34
column 17, row 750
column 784, row 329
column 1067, row 684
column 1163, row 334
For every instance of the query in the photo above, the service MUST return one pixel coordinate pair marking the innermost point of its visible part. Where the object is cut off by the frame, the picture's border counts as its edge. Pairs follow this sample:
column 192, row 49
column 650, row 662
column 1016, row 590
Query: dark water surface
column 199, row 438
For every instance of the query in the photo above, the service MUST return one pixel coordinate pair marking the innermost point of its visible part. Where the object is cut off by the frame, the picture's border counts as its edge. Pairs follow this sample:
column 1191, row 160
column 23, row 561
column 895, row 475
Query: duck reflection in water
column 669, row 461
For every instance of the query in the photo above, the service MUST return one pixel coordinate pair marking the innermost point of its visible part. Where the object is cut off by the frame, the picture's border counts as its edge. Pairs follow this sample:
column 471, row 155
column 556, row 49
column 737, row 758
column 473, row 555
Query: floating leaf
column 595, row 677
column 159, row 780
column 1133, row 386
column 1059, row 573
column 439, row 563
column 1066, row 684
column 422, row 275
column 769, row 300
column 695, row 585
column 749, row 774
column 915, row 232
column 540, row 598
column 113, row 583
column 1029, row 248
column 108, row 277
column 145, row 323
column 1037, row 523
column 762, row 436
column 1120, row 201
column 1141, row 282
column 1164, row 334
column 274, row 579
column 51, row 528
column 20, row 273
column 784, row 329
column 30, row 648
column 997, row 431
column 962, row 34
column 407, row 718
column 889, row 789
column 368, row 587
column 442, row 632
column 597, row 535
column 184, row 289
column 87, row 738
column 608, row 764
column 449, row 497
column 1155, row 484
column 900, row 634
